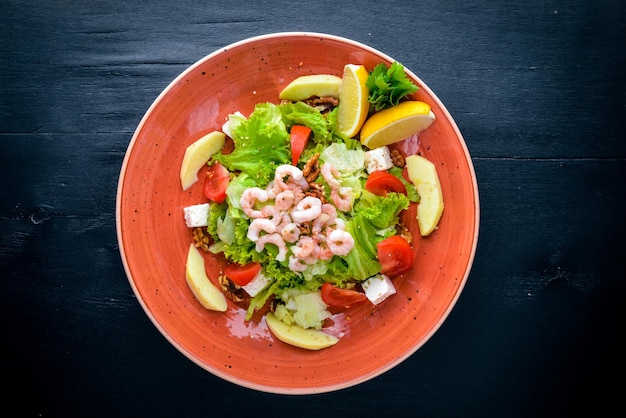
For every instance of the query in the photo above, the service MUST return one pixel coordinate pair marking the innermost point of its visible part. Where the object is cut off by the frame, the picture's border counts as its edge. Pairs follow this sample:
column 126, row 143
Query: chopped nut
column 201, row 238
column 231, row 289
column 323, row 104
column 404, row 232
column 305, row 228
column 397, row 158
column 311, row 169
column 316, row 190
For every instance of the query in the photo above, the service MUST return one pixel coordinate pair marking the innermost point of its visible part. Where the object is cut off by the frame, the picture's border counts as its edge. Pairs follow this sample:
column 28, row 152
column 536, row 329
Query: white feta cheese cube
column 197, row 215
column 257, row 284
column 378, row 288
column 378, row 159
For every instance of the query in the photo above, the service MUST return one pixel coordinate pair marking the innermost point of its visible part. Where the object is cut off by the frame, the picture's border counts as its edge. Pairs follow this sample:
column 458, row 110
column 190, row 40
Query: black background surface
column 537, row 89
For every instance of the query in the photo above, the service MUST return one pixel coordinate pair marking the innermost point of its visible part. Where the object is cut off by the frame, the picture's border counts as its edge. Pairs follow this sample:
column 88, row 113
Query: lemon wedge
column 353, row 103
column 396, row 123
column 306, row 86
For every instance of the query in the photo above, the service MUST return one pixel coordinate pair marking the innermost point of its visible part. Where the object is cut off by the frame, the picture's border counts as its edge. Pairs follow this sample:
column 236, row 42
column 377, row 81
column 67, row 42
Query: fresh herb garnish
column 388, row 86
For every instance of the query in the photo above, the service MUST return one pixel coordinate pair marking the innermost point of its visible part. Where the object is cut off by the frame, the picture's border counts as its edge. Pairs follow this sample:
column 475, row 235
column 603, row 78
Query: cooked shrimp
column 321, row 250
column 275, row 239
column 327, row 218
column 248, row 199
column 320, row 223
column 290, row 232
column 342, row 198
column 329, row 210
column 260, row 224
column 307, row 209
column 340, row 242
column 330, row 175
column 298, row 192
column 296, row 264
column 304, row 247
column 284, row 200
column 339, row 224
column 288, row 173
column 270, row 190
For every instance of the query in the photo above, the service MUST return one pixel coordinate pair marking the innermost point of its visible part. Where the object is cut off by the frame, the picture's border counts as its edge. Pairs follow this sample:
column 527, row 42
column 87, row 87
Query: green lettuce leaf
column 261, row 144
column 411, row 191
column 300, row 113
column 362, row 262
column 381, row 211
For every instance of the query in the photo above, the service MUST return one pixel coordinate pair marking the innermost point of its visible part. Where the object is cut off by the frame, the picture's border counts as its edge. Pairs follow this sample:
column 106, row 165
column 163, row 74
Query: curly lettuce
column 261, row 144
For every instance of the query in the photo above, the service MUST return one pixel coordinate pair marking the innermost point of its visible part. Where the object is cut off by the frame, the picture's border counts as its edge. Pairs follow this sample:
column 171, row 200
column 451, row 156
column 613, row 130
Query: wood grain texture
column 537, row 90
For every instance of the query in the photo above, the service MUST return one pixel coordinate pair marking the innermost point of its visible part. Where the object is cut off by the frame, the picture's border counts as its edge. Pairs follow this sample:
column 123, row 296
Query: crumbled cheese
column 378, row 288
column 197, row 215
column 378, row 159
column 257, row 284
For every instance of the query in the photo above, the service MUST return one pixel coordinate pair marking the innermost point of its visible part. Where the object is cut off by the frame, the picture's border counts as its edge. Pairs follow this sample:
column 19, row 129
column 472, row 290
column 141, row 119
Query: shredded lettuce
column 285, row 280
column 350, row 163
column 346, row 161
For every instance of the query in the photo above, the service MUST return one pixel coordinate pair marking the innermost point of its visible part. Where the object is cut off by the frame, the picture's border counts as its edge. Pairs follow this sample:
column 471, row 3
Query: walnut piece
column 311, row 168
column 404, row 232
column 201, row 238
column 316, row 190
column 397, row 158
column 230, row 289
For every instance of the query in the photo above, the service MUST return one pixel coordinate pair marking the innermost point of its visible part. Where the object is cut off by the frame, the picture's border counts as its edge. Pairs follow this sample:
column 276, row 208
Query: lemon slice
column 353, row 104
column 396, row 123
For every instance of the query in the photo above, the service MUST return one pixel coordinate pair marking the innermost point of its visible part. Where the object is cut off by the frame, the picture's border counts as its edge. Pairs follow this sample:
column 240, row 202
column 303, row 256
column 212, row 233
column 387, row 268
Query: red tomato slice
column 341, row 298
column 242, row 275
column 380, row 183
column 396, row 256
column 299, row 138
column 217, row 178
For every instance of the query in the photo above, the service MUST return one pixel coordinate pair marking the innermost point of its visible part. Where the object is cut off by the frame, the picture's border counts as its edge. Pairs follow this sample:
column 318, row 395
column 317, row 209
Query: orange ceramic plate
column 154, row 240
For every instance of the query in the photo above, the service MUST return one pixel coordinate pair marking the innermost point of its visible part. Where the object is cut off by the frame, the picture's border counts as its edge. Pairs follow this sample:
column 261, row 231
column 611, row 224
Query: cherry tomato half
column 216, row 183
column 395, row 255
column 299, row 138
column 380, row 183
column 242, row 275
column 341, row 298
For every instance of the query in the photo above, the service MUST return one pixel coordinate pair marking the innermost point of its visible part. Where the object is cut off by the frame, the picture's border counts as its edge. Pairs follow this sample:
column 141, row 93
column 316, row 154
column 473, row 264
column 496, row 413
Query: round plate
column 154, row 240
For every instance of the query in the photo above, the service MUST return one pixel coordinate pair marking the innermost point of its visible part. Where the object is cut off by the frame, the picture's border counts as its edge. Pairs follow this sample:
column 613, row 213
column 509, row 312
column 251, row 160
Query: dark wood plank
column 537, row 90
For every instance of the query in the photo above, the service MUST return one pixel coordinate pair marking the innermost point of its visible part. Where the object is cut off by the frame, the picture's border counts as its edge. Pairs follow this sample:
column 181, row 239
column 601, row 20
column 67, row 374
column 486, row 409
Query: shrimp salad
column 302, row 229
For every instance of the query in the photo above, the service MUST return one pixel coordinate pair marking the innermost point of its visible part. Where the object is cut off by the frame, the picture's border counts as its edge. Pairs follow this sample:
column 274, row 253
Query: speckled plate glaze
column 154, row 240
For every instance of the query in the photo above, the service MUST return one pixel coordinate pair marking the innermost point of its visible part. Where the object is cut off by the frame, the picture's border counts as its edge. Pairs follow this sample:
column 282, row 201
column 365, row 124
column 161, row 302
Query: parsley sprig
column 388, row 86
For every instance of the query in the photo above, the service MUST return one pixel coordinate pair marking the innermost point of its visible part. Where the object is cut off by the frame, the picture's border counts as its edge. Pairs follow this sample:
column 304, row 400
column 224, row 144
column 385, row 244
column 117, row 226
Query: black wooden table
column 536, row 87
